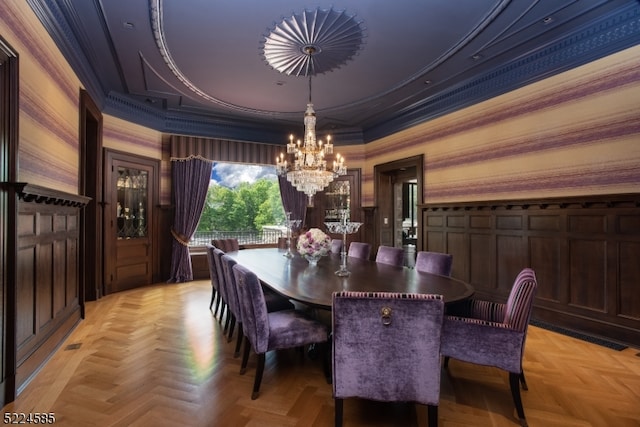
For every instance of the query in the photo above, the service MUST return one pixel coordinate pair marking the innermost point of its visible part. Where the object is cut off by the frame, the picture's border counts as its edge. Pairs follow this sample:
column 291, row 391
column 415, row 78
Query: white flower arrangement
column 314, row 243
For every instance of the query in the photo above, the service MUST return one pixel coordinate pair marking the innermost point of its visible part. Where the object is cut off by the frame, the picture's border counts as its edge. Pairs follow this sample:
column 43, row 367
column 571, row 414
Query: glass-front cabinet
column 131, row 192
column 337, row 198
column 132, row 187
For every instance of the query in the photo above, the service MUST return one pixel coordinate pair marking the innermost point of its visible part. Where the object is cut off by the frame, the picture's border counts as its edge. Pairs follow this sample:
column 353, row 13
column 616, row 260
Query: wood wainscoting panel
column 585, row 252
column 48, row 302
column 546, row 252
column 588, row 278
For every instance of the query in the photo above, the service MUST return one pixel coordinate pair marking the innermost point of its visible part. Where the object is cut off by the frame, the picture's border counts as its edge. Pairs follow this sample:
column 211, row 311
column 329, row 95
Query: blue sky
column 231, row 174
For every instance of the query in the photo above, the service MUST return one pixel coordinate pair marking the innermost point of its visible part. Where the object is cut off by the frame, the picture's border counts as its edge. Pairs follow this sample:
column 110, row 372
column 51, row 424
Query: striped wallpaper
column 49, row 102
column 577, row 133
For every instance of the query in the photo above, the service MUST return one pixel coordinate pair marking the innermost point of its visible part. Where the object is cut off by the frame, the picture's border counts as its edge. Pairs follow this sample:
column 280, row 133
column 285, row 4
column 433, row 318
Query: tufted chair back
column 386, row 347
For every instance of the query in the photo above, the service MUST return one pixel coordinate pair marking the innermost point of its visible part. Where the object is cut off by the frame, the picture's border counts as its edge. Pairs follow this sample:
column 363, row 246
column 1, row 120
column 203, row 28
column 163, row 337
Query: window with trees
column 243, row 202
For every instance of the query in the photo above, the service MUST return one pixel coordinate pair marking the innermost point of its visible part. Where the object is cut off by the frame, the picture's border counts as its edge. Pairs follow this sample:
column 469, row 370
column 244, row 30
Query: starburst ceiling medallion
column 313, row 42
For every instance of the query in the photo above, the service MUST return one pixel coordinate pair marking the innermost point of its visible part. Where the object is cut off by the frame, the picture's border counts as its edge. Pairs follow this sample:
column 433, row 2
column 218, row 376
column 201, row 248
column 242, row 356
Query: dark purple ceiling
column 197, row 66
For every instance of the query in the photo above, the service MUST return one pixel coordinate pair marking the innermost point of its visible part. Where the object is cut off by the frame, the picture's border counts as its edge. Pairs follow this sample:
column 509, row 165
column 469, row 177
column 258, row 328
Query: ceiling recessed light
column 427, row 82
column 476, row 57
column 128, row 25
column 547, row 20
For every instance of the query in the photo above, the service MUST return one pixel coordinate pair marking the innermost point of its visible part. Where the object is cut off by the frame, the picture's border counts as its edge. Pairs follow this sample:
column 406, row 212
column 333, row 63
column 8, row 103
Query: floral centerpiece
column 314, row 244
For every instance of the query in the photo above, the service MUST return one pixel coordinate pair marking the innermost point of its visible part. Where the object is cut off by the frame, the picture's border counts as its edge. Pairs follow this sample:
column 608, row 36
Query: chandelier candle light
column 309, row 173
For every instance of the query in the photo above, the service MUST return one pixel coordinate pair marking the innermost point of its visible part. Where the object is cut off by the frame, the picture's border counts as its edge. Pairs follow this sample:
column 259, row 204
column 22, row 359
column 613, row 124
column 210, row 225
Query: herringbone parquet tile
column 157, row 357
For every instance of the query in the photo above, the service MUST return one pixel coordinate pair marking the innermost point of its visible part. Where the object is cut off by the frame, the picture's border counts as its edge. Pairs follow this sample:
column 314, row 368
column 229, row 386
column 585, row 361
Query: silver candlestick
column 345, row 227
column 290, row 224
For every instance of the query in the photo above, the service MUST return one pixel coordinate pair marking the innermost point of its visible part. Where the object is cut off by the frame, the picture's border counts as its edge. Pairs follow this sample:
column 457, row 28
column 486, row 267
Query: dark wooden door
column 130, row 192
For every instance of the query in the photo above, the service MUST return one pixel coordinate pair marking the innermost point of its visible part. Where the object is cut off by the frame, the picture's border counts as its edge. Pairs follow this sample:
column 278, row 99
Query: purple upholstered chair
column 232, row 300
column 359, row 250
column 434, row 262
column 231, row 245
column 336, row 246
column 390, row 255
column 274, row 301
column 265, row 331
column 213, row 273
column 386, row 347
column 222, row 287
column 493, row 334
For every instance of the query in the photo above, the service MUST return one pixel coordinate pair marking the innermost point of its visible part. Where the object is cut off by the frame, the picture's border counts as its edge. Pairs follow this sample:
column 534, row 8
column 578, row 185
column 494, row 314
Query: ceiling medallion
column 313, row 42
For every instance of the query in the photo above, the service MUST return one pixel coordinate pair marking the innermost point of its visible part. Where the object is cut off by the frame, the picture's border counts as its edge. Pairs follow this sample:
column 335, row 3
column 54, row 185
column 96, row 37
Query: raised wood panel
column 630, row 280
column 482, row 267
column 458, row 246
column 585, row 251
column 511, row 255
column 509, row 222
column 587, row 224
column 546, row 259
column 629, row 224
column 25, row 318
column 587, row 282
column 435, row 240
column 544, row 222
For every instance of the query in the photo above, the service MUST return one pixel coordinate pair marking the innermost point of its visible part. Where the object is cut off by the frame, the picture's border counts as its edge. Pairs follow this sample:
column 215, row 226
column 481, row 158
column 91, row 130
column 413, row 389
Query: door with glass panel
column 129, row 221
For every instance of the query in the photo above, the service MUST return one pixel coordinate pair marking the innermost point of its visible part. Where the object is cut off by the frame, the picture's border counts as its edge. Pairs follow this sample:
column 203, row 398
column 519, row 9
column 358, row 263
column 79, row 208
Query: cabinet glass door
column 131, row 206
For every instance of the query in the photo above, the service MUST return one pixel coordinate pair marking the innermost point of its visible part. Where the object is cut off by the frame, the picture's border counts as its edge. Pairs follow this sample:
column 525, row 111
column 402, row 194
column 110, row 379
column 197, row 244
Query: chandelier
column 305, row 44
column 308, row 171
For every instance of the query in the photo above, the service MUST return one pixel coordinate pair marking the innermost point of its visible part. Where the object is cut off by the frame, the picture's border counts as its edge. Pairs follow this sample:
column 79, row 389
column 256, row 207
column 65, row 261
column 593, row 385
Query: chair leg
column 258, row 380
column 213, row 297
column 446, row 362
column 239, row 340
column 232, row 326
column 432, row 415
column 338, row 403
column 523, row 381
column 227, row 319
column 245, row 356
column 514, row 383
column 218, row 301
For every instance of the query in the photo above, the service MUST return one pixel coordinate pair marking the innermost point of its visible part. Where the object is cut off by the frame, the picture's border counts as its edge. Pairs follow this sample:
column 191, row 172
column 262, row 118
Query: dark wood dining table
column 314, row 286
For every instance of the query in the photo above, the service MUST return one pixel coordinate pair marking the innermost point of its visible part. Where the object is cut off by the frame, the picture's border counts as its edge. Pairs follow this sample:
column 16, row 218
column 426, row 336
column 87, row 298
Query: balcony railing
column 269, row 235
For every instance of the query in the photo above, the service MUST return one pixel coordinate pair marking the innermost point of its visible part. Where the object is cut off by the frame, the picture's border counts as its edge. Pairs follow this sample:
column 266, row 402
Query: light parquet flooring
column 156, row 356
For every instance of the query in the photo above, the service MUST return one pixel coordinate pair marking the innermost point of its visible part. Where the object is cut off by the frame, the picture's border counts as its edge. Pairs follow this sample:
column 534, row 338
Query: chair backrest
column 253, row 309
column 213, row 272
column 233, row 299
column 359, row 250
column 390, row 255
column 520, row 302
column 222, row 287
column 336, row 246
column 434, row 262
column 386, row 346
column 231, row 245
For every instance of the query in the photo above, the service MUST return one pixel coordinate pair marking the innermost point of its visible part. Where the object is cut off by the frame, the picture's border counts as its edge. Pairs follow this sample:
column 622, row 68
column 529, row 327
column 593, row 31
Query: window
column 243, row 202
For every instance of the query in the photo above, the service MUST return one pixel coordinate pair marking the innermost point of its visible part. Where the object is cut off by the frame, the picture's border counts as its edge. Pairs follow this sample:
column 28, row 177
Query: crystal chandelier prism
column 308, row 171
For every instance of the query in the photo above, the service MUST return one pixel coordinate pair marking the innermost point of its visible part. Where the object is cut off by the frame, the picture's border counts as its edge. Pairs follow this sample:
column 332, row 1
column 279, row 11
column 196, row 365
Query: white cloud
column 231, row 174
